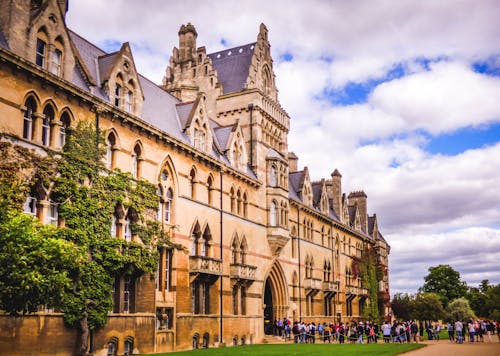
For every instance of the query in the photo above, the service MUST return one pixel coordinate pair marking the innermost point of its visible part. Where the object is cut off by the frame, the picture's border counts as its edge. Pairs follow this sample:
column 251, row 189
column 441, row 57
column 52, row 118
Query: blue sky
column 402, row 95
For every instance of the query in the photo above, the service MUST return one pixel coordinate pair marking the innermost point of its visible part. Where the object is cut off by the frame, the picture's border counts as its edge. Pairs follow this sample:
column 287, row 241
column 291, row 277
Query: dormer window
column 128, row 101
column 118, row 94
column 41, row 48
column 56, row 62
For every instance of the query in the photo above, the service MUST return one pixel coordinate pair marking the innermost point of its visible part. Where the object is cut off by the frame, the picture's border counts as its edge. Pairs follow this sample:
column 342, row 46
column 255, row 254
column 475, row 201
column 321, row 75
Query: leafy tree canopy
column 459, row 309
column 427, row 306
column 444, row 281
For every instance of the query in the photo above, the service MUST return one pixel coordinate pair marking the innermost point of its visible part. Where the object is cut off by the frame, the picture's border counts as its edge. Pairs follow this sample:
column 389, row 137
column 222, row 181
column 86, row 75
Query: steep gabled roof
column 316, row 188
column 185, row 112
column 232, row 66
column 294, row 179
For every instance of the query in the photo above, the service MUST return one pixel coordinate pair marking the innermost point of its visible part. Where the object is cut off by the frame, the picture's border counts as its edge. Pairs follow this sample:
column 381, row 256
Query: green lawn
column 303, row 350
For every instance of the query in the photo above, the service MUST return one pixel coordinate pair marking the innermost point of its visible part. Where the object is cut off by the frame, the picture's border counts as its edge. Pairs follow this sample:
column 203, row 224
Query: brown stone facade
column 263, row 241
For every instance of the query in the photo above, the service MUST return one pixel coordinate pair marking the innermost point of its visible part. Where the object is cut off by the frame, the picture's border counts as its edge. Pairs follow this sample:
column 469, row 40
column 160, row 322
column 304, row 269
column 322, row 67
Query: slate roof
column 183, row 111
column 222, row 134
column 105, row 62
column 3, row 41
column 272, row 153
column 316, row 188
column 232, row 66
column 294, row 179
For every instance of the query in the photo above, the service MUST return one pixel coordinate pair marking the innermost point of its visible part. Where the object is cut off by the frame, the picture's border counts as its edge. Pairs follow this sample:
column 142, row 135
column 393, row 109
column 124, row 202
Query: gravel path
column 445, row 348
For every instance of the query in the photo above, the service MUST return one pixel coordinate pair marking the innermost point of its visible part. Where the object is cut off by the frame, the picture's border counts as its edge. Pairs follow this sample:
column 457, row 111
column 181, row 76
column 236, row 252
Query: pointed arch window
column 53, row 214
column 136, row 160
column 235, row 251
column 110, row 150
column 195, row 237
column 272, row 214
column 128, row 229
column 113, row 226
column 55, row 68
column 29, row 118
column 48, row 117
column 272, row 176
column 41, row 49
column 238, row 202
column 65, row 123
column 232, row 197
column 192, row 182
column 161, row 202
column 128, row 101
column 245, row 205
column 168, row 206
column 210, row 188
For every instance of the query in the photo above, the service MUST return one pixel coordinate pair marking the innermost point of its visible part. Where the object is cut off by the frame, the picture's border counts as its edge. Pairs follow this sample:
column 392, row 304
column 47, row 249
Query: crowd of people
column 396, row 332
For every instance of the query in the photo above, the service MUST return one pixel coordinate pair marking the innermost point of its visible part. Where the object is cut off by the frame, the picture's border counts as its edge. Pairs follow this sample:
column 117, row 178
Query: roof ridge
column 229, row 49
column 86, row 40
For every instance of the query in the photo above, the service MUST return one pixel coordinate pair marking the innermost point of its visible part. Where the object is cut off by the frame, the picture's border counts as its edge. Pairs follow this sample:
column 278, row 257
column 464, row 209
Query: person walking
column 459, row 329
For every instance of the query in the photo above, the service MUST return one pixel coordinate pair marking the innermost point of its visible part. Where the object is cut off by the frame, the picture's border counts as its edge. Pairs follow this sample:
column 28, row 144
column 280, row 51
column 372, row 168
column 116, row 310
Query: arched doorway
column 275, row 297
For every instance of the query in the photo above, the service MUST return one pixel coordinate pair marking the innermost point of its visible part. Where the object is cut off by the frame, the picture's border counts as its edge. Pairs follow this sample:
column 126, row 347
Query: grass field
column 303, row 350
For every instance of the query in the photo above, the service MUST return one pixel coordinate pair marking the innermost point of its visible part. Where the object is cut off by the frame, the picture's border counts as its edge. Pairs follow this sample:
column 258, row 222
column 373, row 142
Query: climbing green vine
column 72, row 267
column 370, row 281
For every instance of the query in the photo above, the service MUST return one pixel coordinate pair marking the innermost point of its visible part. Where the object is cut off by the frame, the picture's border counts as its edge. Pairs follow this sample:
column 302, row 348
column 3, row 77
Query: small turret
column 187, row 42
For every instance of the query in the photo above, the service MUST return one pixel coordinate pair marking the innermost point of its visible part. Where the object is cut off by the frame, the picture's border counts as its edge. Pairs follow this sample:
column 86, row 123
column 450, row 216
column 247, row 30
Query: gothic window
column 57, row 57
column 48, row 117
column 136, row 161
column 114, row 226
column 118, row 94
column 128, row 101
column 210, row 189
column 272, row 214
column 235, row 299
column 110, row 150
column 272, row 176
column 166, row 259
column 200, row 297
column 238, row 202
column 168, row 206
column 206, row 243
column 53, row 215
column 235, row 251
column 202, row 140
column 128, row 229
column 232, row 197
column 243, row 251
column 245, row 205
column 128, row 347
column 195, row 237
column 161, row 202
column 41, row 49
column 111, row 349
column 192, row 182
column 128, row 290
column 65, row 123
column 29, row 118
column 30, row 206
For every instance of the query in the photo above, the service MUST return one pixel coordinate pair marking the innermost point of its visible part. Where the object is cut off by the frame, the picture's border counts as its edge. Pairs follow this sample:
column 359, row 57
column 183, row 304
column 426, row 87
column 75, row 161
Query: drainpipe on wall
column 298, row 247
column 250, row 108
column 221, row 240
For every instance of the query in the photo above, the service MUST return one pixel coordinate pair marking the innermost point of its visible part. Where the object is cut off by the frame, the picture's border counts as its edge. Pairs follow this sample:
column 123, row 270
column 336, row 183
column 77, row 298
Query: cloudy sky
column 403, row 97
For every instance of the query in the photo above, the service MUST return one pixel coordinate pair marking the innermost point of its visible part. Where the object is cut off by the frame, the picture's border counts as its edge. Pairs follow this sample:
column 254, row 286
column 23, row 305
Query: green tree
column 459, row 309
column 73, row 268
column 427, row 306
column 444, row 281
column 493, row 302
column 402, row 306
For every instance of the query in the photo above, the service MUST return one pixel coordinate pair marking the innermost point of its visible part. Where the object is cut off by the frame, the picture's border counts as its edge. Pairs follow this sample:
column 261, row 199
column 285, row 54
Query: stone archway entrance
column 275, row 298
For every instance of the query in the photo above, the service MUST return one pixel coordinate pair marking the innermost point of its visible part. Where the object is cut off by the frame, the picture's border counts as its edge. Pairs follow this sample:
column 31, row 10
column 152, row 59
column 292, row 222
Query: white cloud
column 447, row 97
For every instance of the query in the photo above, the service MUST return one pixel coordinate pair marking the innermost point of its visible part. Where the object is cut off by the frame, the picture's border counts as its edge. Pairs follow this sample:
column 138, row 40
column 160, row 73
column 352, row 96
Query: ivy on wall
column 72, row 267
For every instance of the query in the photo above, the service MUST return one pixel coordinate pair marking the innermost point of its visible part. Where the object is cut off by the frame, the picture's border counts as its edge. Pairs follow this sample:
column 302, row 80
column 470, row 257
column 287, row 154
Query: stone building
column 264, row 241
